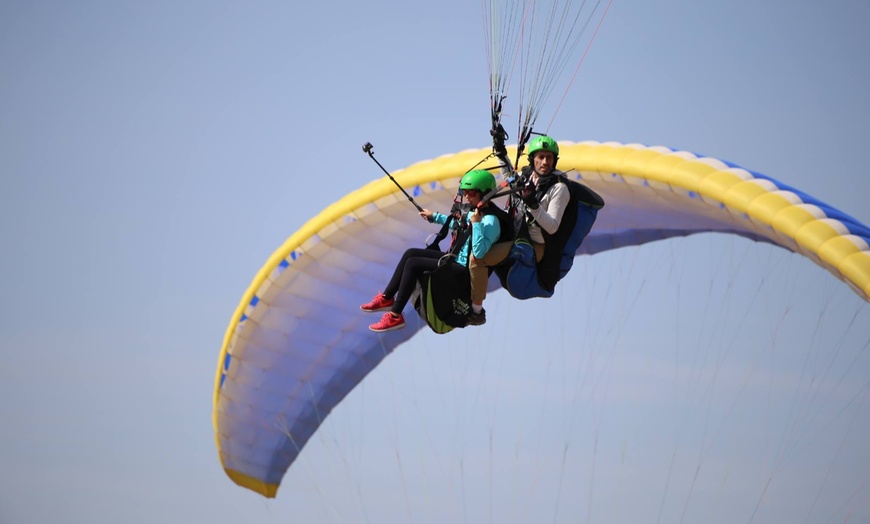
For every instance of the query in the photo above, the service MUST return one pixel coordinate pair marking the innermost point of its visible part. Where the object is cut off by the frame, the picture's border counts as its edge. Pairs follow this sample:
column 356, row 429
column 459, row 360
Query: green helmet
column 479, row 179
column 543, row 143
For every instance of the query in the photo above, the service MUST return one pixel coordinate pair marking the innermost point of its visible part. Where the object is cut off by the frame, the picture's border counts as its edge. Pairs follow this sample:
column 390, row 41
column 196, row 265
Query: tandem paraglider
column 530, row 244
column 298, row 344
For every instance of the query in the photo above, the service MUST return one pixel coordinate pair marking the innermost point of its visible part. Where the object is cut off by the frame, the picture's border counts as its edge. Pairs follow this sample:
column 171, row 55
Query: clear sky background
column 154, row 154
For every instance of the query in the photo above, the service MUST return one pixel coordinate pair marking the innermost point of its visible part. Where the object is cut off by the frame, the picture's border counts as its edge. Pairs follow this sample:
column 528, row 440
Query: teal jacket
column 483, row 235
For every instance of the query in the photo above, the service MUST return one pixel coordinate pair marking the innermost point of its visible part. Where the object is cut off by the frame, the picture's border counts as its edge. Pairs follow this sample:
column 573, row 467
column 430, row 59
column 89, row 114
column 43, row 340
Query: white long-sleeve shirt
column 549, row 213
column 552, row 206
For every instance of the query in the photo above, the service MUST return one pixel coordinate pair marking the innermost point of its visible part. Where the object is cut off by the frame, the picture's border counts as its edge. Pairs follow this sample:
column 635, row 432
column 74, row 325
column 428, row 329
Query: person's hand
column 498, row 137
column 529, row 197
column 499, row 149
column 476, row 215
column 428, row 215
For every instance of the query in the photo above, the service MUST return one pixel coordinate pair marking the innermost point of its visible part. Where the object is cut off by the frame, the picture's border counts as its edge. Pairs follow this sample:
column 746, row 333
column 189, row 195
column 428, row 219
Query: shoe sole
column 393, row 328
column 472, row 322
column 385, row 308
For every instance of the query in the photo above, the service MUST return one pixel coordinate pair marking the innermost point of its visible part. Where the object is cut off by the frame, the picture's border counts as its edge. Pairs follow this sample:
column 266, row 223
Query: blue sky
column 153, row 155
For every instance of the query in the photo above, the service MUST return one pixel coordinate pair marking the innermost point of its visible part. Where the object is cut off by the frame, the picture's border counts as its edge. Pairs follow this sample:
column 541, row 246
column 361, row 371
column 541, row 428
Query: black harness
column 505, row 230
column 463, row 229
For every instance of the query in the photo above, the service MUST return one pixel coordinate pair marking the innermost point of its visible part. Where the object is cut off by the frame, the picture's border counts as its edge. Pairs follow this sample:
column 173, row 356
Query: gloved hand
column 498, row 137
column 529, row 197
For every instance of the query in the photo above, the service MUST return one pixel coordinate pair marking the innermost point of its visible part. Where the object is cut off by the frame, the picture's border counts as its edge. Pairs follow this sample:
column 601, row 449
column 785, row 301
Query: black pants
column 414, row 262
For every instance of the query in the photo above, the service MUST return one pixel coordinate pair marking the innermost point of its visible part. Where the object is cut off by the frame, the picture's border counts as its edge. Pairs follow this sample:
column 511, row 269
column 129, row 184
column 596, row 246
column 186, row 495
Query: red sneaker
column 388, row 322
column 379, row 303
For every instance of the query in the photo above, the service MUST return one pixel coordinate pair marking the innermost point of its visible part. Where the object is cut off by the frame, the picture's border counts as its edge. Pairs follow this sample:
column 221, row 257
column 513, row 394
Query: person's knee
column 497, row 254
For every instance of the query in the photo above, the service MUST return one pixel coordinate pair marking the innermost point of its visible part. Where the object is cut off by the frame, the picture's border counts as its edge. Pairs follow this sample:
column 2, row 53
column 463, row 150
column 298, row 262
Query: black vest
column 506, row 230
column 555, row 244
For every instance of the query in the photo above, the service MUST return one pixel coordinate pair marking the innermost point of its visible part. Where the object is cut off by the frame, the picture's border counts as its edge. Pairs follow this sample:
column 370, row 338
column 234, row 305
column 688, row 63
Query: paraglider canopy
column 297, row 345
